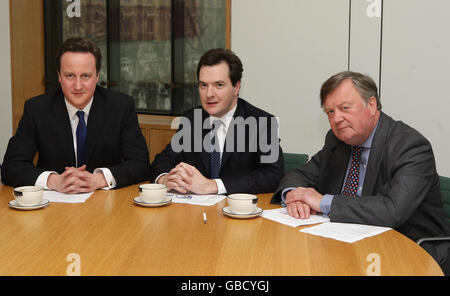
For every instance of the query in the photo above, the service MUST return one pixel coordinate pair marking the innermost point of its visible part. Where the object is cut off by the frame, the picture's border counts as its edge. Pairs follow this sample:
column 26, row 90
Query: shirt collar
column 368, row 142
column 72, row 110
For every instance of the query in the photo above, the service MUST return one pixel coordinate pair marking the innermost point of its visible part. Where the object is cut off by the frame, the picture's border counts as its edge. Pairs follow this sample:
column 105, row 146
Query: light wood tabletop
column 110, row 235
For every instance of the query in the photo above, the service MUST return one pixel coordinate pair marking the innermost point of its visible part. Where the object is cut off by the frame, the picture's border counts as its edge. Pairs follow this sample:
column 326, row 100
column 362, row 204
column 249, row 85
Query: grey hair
column 364, row 84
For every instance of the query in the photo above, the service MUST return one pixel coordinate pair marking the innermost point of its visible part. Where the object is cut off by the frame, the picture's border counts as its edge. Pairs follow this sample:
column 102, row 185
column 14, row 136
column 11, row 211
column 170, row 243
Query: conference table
column 110, row 235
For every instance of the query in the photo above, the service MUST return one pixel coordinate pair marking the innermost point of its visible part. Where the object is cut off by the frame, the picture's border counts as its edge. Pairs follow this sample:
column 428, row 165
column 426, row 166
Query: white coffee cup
column 152, row 193
column 28, row 196
column 242, row 203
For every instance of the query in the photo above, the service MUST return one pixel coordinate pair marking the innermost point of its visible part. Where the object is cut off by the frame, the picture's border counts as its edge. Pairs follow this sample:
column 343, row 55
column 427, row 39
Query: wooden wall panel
column 27, row 53
column 157, row 137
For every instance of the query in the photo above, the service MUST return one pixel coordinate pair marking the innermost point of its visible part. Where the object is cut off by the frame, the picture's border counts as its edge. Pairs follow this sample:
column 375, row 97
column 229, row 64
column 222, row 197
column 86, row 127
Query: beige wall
column 290, row 47
column 415, row 70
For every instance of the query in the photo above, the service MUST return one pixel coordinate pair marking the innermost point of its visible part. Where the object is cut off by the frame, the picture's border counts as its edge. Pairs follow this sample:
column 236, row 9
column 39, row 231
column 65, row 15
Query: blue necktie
column 81, row 138
column 352, row 181
column 215, row 151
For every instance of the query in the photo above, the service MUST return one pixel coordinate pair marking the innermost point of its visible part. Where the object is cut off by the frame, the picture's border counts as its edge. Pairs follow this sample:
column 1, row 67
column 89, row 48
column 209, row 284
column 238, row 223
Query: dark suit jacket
column 240, row 171
column 114, row 140
column 401, row 187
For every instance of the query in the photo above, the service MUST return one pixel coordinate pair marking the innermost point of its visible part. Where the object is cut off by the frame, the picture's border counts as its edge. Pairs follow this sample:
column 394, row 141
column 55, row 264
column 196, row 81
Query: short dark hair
column 79, row 45
column 216, row 56
column 363, row 83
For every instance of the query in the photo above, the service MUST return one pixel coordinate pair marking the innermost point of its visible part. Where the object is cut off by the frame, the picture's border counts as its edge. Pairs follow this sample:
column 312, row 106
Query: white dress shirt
column 43, row 177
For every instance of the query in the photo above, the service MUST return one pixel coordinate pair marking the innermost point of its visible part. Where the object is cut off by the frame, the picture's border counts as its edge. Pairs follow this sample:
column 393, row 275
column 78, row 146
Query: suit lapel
column 376, row 154
column 63, row 134
column 226, row 154
column 95, row 125
column 338, row 168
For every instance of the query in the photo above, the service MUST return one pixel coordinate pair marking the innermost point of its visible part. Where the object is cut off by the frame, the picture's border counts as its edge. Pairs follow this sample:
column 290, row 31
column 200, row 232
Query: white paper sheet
column 280, row 215
column 55, row 196
column 201, row 200
column 345, row 232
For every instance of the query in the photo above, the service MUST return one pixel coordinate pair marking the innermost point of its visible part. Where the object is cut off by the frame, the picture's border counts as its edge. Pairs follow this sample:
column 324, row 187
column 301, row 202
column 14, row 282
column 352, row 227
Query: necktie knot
column 216, row 125
column 80, row 115
column 356, row 153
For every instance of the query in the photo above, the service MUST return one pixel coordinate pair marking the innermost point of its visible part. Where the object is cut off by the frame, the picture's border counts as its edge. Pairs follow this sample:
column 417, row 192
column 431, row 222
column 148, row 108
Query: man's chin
column 78, row 102
column 212, row 110
column 347, row 139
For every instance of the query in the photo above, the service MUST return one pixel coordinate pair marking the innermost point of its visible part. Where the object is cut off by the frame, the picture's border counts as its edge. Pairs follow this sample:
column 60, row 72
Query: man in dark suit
column 372, row 169
column 86, row 137
column 227, row 145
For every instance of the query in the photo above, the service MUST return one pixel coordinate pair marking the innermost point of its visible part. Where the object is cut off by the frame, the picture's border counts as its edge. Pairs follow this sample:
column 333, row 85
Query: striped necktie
column 215, row 151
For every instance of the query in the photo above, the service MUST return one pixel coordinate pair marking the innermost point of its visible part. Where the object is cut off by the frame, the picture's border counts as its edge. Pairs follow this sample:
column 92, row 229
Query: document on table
column 280, row 215
column 201, row 200
column 55, row 196
column 345, row 232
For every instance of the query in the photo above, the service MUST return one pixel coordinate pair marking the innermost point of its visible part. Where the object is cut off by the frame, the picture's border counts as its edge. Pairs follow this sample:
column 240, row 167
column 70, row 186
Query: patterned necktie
column 81, row 138
column 215, row 151
column 352, row 181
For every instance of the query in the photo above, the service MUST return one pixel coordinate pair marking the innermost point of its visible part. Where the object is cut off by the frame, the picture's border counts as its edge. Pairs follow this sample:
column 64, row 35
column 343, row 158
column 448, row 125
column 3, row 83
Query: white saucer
column 139, row 201
column 228, row 212
column 13, row 204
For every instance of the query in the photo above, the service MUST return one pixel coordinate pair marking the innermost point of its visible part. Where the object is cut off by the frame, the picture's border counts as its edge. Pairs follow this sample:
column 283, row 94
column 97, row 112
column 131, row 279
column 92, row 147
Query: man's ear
column 237, row 88
column 372, row 105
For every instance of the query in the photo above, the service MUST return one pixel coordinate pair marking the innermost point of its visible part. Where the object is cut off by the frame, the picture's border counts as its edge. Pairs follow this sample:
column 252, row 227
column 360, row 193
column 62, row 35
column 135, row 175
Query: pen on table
column 204, row 218
column 180, row 196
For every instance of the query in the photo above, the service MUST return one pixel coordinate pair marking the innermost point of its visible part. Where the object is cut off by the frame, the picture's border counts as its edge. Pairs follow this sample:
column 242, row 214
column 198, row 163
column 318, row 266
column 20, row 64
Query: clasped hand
column 186, row 178
column 76, row 180
column 301, row 202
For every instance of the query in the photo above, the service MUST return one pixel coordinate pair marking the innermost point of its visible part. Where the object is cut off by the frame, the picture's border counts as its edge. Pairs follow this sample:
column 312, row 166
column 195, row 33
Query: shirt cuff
column 283, row 195
column 110, row 180
column 43, row 178
column 156, row 180
column 325, row 204
column 220, row 187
